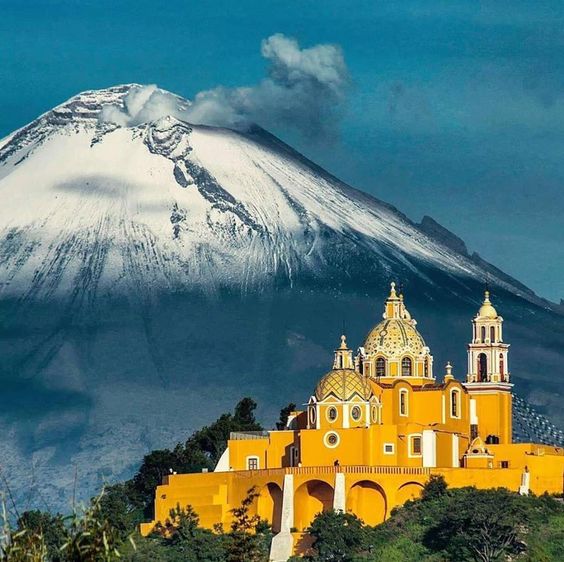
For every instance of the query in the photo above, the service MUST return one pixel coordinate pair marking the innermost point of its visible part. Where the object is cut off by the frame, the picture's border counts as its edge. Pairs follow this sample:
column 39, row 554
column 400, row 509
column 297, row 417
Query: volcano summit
column 153, row 273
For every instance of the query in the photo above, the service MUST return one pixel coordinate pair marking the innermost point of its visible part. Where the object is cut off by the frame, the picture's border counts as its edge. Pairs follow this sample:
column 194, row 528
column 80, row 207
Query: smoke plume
column 303, row 89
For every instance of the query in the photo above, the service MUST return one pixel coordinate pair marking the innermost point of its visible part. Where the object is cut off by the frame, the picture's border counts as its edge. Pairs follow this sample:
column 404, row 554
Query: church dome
column 343, row 384
column 395, row 337
column 487, row 310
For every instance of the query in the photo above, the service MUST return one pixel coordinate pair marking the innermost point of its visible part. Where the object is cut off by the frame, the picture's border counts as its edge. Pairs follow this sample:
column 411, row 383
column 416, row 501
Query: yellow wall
column 371, row 491
column 375, row 481
column 494, row 414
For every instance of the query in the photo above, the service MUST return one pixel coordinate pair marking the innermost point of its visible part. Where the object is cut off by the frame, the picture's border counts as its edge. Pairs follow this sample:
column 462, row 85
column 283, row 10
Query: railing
column 244, row 435
column 351, row 469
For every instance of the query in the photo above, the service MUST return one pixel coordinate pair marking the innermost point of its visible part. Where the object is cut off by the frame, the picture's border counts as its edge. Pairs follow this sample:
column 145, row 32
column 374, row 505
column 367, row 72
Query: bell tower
column 487, row 380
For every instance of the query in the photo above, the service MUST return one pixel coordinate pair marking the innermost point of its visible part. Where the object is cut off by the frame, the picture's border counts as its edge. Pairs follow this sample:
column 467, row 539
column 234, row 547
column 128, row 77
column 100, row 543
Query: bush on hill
column 445, row 524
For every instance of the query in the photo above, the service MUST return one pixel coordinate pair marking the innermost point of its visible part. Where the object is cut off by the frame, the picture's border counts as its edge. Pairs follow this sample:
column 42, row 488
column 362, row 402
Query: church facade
column 378, row 424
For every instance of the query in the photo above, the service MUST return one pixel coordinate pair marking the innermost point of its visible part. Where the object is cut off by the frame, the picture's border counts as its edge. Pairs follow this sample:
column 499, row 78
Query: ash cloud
column 304, row 89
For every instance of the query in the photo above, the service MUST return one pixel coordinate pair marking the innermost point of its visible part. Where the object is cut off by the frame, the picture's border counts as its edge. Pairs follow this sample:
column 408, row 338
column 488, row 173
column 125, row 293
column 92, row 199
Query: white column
column 525, row 483
column 283, row 543
column 455, row 451
column 345, row 412
column 429, row 445
column 473, row 414
column 339, row 495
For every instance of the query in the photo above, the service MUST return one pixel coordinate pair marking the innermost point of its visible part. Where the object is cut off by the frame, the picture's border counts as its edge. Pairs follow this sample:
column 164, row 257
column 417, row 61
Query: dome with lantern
column 397, row 333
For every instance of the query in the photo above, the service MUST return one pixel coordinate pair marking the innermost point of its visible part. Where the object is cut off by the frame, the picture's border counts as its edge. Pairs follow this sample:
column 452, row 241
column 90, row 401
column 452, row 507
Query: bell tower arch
column 488, row 378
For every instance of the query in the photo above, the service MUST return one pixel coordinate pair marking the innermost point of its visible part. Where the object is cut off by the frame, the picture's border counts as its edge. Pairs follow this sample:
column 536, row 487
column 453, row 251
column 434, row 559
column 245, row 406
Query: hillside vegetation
column 462, row 524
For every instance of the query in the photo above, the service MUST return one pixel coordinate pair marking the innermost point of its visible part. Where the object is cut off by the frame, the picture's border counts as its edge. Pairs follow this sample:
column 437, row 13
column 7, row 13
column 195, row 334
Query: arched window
column 492, row 334
column 312, row 416
column 501, row 366
column 455, row 403
column 380, row 367
column 426, row 367
column 403, row 406
column 406, row 367
column 482, row 367
column 483, row 334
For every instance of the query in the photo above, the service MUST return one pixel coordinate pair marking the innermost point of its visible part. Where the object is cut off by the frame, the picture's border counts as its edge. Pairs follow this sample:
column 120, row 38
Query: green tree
column 434, row 488
column 337, row 536
column 203, row 449
column 122, row 506
column 183, row 537
column 481, row 525
column 284, row 415
column 50, row 527
column 249, row 538
column 90, row 537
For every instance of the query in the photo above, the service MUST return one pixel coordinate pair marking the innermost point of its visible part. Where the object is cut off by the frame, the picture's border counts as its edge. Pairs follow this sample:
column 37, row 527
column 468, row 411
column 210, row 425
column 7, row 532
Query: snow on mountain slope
column 200, row 205
column 152, row 275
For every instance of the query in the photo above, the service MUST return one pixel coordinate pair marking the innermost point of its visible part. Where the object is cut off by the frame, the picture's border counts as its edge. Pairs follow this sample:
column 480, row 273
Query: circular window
column 312, row 416
column 332, row 413
column 356, row 413
column 374, row 413
column 331, row 440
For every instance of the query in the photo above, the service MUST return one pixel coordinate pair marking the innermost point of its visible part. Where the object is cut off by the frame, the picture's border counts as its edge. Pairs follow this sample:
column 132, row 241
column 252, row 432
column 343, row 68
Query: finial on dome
column 343, row 342
column 448, row 369
column 393, row 294
column 487, row 310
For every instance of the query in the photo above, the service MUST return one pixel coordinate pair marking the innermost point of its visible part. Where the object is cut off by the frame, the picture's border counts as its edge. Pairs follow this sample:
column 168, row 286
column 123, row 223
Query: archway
column 269, row 505
column 367, row 500
column 408, row 491
column 311, row 498
column 482, row 367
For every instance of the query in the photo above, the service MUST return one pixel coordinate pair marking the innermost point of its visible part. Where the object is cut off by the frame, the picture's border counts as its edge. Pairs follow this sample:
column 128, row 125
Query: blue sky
column 455, row 109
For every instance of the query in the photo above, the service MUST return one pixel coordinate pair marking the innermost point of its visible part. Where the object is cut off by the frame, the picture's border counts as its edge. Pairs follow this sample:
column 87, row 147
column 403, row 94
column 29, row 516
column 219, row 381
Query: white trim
column 326, row 439
column 410, row 454
column 405, row 392
column 327, row 414
column 360, row 413
column 429, row 448
column 346, row 419
column 311, row 409
column 223, row 462
column 252, row 457
column 374, row 419
column 473, row 415
column 458, row 403
column 455, row 451
column 392, row 445
column 339, row 495
column 443, row 408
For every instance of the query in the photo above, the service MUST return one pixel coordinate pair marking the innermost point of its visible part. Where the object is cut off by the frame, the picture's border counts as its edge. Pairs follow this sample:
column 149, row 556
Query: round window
column 356, row 413
column 332, row 413
column 331, row 440
column 374, row 414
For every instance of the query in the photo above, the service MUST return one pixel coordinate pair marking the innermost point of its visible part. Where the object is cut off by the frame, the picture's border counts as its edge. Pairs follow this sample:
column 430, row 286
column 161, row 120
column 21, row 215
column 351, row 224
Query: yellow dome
column 394, row 337
column 487, row 310
column 343, row 384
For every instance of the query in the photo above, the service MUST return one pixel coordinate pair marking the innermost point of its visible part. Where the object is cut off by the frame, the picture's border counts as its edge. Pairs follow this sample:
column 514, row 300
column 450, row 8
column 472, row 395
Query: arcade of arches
column 373, row 430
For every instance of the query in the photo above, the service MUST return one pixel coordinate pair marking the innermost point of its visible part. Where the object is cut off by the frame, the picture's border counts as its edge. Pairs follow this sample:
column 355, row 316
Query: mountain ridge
column 151, row 274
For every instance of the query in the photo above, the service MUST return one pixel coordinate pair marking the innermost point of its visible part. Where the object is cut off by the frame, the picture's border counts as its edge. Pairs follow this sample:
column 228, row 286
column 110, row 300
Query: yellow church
column 378, row 424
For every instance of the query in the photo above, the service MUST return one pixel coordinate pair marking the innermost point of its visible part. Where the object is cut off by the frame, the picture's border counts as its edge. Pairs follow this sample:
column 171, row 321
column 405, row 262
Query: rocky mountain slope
column 151, row 275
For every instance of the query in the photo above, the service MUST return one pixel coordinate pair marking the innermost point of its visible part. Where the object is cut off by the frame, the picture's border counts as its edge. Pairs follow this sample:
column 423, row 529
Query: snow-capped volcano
column 194, row 204
column 151, row 274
